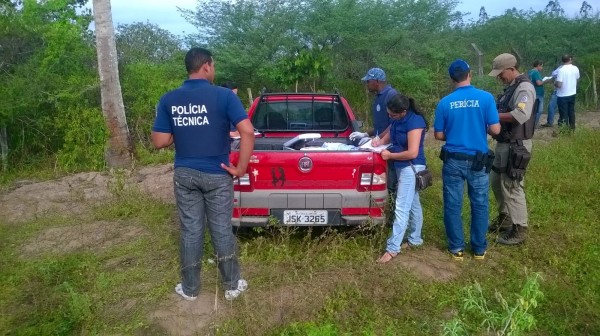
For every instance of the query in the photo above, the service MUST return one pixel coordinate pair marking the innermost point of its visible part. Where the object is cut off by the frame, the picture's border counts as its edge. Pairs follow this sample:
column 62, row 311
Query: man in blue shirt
column 463, row 119
column 196, row 117
column 376, row 83
column 535, row 75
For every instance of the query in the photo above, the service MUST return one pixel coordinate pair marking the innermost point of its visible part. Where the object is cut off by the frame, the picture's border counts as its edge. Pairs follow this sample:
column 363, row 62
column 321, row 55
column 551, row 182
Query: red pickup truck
column 303, row 171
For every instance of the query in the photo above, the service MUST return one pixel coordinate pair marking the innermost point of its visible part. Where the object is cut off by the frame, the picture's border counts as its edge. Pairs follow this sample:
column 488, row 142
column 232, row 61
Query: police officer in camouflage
column 513, row 150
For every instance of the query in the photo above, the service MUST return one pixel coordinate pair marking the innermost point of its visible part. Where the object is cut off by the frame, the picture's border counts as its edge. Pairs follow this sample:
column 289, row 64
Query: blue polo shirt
column 399, row 138
column 381, row 119
column 199, row 115
column 464, row 116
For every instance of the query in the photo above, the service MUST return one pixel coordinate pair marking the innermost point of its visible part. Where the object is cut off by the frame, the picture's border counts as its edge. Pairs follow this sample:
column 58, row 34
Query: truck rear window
column 300, row 115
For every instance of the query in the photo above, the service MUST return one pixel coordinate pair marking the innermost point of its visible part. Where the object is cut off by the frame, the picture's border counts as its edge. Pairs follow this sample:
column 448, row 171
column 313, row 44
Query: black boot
column 516, row 236
column 500, row 224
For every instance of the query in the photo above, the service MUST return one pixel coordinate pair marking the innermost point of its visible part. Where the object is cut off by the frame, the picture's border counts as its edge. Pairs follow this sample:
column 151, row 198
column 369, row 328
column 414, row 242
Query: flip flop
column 386, row 257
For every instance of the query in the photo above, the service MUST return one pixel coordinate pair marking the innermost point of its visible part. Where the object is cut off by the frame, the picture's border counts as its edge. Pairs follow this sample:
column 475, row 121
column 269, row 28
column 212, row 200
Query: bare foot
column 386, row 257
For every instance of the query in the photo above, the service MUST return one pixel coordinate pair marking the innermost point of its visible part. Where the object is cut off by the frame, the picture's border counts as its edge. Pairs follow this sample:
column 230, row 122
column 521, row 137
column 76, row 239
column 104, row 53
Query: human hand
column 357, row 135
column 385, row 154
column 233, row 170
column 376, row 142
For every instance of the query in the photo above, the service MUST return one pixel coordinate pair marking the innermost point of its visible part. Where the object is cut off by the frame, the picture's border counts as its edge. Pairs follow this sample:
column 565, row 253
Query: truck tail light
column 372, row 178
column 242, row 183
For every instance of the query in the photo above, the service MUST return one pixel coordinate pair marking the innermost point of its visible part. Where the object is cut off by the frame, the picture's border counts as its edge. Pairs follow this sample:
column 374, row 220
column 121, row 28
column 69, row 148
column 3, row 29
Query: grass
column 323, row 281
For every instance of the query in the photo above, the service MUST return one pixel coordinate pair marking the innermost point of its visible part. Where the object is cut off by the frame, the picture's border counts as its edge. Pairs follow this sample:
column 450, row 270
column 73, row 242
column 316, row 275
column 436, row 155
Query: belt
column 499, row 170
column 460, row 156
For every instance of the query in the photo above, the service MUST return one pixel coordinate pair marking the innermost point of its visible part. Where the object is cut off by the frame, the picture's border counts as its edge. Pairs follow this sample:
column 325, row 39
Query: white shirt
column 568, row 75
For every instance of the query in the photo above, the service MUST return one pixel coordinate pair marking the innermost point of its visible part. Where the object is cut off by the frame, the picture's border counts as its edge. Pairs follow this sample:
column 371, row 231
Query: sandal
column 386, row 257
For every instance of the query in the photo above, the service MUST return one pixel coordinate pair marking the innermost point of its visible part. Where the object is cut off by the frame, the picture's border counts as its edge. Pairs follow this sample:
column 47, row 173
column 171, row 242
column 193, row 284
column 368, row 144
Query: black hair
column 459, row 75
column 400, row 103
column 537, row 63
column 567, row 58
column 230, row 85
column 196, row 58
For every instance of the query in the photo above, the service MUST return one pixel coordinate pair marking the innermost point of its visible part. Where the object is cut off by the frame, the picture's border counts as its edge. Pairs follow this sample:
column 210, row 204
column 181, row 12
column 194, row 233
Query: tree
column 49, row 85
column 483, row 16
column 119, row 152
column 146, row 42
column 586, row 10
column 554, row 8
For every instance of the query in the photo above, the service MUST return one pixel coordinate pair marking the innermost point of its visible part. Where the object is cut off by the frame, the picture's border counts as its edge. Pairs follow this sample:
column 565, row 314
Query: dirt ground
column 75, row 194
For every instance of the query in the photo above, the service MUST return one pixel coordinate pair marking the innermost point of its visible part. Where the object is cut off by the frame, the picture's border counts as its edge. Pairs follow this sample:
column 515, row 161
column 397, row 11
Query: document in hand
column 546, row 78
column 369, row 146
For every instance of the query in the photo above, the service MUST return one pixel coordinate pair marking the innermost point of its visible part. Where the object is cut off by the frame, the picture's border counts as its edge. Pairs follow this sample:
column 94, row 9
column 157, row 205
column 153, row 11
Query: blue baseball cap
column 458, row 67
column 374, row 74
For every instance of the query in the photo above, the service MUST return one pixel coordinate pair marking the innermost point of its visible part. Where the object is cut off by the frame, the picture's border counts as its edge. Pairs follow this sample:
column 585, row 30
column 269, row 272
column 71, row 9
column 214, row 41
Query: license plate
column 304, row 217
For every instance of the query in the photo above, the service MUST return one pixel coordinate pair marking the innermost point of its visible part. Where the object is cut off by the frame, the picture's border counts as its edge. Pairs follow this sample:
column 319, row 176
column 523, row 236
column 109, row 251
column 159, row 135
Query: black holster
column 489, row 161
column 518, row 160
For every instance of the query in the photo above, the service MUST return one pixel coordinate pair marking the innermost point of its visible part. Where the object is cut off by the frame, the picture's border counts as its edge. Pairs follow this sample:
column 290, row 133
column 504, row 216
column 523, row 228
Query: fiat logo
column 305, row 164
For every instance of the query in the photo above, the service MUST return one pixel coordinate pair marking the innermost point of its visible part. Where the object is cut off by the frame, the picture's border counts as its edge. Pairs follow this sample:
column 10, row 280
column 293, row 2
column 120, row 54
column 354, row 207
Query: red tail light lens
column 371, row 178
column 242, row 183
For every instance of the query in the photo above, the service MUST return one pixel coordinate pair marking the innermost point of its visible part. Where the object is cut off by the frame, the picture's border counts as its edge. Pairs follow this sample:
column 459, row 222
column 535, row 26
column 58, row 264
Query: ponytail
column 400, row 103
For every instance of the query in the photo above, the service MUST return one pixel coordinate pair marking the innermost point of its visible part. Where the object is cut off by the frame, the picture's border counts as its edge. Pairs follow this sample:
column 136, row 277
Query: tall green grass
column 323, row 281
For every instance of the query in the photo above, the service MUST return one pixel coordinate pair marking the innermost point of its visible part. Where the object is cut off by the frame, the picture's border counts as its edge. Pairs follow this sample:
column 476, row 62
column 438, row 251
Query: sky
column 162, row 13
column 166, row 16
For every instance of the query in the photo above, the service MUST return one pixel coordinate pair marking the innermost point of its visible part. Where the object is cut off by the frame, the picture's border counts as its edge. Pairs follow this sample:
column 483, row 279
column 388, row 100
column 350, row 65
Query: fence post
column 250, row 96
column 4, row 148
column 479, row 58
column 594, row 87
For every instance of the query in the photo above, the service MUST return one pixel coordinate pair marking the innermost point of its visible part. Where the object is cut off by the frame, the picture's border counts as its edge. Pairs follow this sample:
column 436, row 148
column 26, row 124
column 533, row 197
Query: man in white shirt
column 552, row 105
column 566, row 90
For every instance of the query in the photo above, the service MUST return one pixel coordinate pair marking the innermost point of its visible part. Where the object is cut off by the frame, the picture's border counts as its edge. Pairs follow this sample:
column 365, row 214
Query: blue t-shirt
column 464, row 116
column 199, row 116
column 399, row 138
column 381, row 119
column 534, row 76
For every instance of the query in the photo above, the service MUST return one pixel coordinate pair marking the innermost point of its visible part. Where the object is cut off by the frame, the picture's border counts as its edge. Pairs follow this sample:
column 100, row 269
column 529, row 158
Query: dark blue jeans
column 538, row 108
column 454, row 174
column 552, row 106
column 205, row 199
column 392, row 178
column 566, row 111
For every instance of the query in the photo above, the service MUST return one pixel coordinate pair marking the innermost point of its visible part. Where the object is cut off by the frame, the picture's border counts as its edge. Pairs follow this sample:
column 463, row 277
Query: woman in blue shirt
column 407, row 133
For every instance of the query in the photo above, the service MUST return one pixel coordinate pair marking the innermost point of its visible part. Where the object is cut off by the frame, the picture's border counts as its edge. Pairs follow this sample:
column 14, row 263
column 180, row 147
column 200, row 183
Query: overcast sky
column 166, row 16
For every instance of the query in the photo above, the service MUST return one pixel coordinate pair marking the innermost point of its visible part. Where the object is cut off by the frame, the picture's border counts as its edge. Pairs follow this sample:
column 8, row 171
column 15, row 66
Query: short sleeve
column 417, row 121
column 524, row 100
column 162, row 123
column 536, row 76
column 439, row 123
column 560, row 75
column 235, row 109
column 491, row 111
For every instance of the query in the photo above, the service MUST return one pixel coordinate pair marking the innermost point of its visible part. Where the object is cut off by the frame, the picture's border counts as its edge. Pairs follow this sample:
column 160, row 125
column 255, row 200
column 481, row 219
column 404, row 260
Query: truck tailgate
column 343, row 187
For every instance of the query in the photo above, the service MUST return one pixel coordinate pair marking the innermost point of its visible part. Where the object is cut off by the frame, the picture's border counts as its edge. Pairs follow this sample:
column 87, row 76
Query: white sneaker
column 232, row 294
column 179, row 290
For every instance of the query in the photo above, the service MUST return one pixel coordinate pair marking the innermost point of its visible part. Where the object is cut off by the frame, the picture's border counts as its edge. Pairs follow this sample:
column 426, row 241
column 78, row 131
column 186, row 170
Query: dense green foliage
column 51, row 97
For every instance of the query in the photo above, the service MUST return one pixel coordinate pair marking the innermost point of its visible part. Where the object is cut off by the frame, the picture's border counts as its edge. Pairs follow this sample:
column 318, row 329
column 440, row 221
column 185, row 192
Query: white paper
column 368, row 146
column 546, row 78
